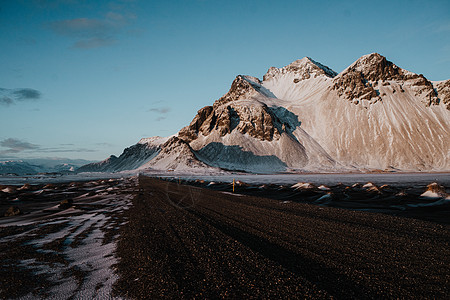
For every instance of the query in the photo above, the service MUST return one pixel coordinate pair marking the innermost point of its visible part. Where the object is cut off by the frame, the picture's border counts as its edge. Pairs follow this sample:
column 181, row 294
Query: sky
column 85, row 79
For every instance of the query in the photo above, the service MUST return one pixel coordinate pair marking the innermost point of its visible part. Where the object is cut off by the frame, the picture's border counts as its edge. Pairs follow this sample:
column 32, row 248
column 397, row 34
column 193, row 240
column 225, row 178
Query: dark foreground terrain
column 188, row 242
column 396, row 199
column 60, row 249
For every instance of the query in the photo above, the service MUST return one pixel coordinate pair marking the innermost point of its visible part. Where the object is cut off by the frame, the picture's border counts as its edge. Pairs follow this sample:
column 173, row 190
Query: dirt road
column 184, row 241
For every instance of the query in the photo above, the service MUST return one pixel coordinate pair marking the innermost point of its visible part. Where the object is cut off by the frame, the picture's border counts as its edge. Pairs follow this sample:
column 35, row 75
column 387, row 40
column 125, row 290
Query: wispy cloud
column 92, row 33
column 161, row 112
column 62, row 150
column 6, row 101
column 104, row 144
column 26, row 94
column 13, row 145
column 11, row 96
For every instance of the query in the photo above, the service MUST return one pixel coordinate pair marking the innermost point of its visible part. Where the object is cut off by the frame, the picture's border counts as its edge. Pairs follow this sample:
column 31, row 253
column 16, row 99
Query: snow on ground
column 87, row 176
column 79, row 250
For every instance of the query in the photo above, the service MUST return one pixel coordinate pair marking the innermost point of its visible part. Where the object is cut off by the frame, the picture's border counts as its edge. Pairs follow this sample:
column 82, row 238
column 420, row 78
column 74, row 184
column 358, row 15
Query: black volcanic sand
column 23, row 258
column 189, row 242
column 40, row 197
column 404, row 201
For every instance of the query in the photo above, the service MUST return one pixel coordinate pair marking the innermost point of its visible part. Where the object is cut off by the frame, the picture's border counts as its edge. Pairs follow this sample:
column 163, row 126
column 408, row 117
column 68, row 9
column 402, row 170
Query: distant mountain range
column 373, row 116
column 34, row 166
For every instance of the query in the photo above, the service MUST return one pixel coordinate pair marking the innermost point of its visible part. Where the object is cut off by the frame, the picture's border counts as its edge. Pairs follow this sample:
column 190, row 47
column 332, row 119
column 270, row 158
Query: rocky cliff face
column 229, row 113
column 243, row 87
column 257, row 121
column 362, row 79
column 443, row 91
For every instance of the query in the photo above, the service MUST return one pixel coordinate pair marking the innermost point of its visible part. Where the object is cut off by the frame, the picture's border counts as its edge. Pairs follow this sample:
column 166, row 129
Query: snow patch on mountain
column 175, row 155
column 302, row 69
column 131, row 158
column 154, row 141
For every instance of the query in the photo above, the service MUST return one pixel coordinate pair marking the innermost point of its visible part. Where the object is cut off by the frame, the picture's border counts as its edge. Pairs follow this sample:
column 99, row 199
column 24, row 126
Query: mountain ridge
column 40, row 165
column 306, row 117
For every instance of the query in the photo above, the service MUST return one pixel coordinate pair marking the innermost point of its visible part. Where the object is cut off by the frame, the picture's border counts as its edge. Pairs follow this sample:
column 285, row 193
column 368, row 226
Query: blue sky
column 85, row 79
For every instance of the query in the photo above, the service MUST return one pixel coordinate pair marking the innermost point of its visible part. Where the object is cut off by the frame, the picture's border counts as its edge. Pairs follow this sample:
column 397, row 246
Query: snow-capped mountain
column 373, row 115
column 132, row 157
column 17, row 167
column 175, row 155
column 42, row 165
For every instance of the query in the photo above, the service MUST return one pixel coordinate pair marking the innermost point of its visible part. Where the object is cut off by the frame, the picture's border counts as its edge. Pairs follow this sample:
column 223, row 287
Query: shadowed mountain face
column 373, row 115
column 234, row 158
column 131, row 158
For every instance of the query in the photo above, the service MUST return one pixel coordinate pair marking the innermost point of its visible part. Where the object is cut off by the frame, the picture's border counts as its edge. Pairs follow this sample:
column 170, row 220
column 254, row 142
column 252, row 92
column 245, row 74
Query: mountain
column 175, row 155
column 41, row 165
column 373, row 115
column 131, row 158
column 17, row 167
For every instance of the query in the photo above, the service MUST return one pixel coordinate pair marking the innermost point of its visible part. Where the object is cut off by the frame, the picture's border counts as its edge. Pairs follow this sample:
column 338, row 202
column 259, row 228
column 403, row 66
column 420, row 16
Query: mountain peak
column 302, row 69
column 375, row 66
column 301, row 62
column 371, row 58
column 309, row 63
column 360, row 80
column 244, row 87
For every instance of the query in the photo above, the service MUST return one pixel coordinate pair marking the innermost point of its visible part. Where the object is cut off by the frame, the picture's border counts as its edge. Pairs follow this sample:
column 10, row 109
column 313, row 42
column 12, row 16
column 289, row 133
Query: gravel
column 183, row 241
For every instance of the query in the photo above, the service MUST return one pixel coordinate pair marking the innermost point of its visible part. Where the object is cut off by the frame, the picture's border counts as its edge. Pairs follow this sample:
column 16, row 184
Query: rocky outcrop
column 435, row 190
column 302, row 69
column 375, row 67
column 361, row 79
column 423, row 88
column 257, row 121
column 354, row 87
column 174, row 143
column 243, row 87
column 443, row 92
column 202, row 123
column 232, row 112
column 175, row 154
